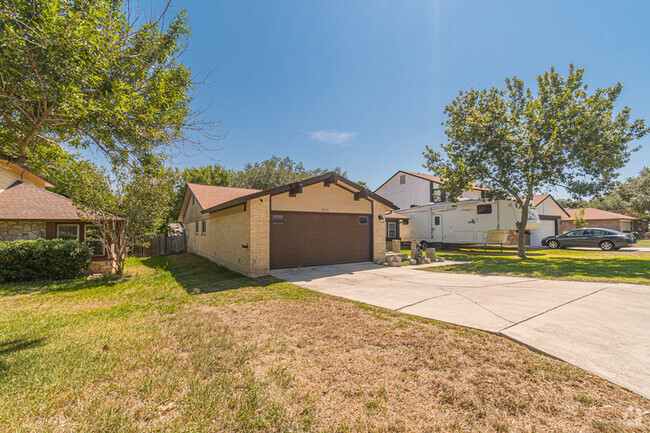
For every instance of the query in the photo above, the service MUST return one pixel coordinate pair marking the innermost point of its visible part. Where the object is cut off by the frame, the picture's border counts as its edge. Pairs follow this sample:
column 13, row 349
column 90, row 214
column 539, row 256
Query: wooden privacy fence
column 158, row 245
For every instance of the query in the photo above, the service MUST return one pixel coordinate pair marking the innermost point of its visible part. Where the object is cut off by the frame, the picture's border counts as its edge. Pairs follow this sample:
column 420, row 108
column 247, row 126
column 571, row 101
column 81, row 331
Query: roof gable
column 208, row 196
column 326, row 177
column 430, row 178
column 543, row 198
column 22, row 172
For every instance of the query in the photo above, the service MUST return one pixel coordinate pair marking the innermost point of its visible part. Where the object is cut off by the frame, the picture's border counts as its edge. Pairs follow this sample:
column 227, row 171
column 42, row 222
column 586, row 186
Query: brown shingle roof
column 395, row 215
column 23, row 201
column 537, row 199
column 209, row 195
column 597, row 214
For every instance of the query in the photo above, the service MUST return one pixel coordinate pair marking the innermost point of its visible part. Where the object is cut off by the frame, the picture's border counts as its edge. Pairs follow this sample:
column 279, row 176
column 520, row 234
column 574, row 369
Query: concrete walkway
column 602, row 328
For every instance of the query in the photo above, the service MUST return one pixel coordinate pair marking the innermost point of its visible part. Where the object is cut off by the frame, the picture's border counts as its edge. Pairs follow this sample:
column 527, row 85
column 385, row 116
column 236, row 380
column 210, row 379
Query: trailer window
column 484, row 209
column 436, row 220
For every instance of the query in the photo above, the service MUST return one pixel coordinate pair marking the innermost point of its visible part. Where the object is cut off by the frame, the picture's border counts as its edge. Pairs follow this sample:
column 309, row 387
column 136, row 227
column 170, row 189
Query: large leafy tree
column 93, row 74
column 273, row 172
column 523, row 142
column 124, row 204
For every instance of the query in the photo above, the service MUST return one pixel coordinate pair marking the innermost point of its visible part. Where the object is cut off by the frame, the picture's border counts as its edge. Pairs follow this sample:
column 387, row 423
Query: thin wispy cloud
column 331, row 136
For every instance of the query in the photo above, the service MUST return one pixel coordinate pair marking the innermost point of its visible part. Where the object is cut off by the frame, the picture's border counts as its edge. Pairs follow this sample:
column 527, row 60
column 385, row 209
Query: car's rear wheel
column 553, row 244
column 607, row 246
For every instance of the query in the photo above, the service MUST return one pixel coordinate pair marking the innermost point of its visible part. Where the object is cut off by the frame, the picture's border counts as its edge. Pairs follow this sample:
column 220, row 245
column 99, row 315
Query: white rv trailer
column 463, row 222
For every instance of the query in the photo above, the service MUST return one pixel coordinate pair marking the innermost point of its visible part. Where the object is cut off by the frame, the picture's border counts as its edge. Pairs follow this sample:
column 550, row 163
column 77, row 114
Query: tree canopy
column 92, row 74
column 631, row 197
column 273, row 172
column 523, row 142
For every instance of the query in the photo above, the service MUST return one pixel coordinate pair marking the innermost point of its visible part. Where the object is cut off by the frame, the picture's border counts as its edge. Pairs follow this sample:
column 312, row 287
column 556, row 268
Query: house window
column 402, row 179
column 196, row 229
column 67, row 231
column 92, row 237
column 277, row 219
column 392, row 229
column 484, row 209
column 203, row 225
column 363, row 220
column 436, row 220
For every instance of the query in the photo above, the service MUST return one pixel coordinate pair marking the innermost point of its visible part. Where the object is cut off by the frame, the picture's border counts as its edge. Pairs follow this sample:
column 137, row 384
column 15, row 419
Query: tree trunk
column 521, row 232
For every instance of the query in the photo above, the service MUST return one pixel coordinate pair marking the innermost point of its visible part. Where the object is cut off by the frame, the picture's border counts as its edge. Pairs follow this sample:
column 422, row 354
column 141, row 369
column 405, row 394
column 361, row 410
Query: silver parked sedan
column 605, row 239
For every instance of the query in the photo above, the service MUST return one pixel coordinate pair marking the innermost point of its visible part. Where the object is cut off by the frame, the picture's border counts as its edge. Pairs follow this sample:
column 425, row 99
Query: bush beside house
column 42, row 259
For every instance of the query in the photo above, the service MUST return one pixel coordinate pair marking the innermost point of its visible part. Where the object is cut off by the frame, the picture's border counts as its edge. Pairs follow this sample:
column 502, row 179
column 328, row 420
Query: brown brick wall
column 260, row 229
column 379, row 232
column 565, row 226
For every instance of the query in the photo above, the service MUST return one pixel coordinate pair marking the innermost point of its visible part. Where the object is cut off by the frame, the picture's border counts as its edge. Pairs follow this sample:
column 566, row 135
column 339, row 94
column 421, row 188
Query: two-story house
column 407, row 189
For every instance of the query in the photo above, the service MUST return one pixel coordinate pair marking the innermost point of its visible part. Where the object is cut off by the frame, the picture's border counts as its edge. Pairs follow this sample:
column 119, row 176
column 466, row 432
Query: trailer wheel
column 424, row 244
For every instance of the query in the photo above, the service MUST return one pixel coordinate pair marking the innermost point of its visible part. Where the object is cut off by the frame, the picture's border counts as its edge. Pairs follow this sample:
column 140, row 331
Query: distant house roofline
column 431, row 178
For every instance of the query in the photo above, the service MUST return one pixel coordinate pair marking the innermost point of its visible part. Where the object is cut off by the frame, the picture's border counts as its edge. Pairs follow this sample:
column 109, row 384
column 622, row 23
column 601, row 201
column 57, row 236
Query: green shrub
column 42, row 259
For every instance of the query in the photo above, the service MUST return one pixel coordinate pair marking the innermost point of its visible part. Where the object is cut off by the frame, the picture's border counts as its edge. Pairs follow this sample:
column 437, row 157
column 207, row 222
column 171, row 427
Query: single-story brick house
column 599, row 218
column 323, row 220
column 29, row 211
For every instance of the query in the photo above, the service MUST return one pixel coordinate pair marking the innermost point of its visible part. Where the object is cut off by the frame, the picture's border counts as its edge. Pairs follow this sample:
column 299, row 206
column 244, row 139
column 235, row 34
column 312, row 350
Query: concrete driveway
column 602, row 328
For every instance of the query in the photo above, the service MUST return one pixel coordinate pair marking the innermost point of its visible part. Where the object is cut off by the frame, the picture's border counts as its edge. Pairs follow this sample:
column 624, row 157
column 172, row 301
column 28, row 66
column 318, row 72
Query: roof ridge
column 223, row 186
column 20, row 182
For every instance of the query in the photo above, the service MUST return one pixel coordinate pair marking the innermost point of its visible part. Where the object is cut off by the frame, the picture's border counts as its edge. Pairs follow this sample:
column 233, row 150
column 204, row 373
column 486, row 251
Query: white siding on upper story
column 549, row 207
column 415, row 191
column 9, row 173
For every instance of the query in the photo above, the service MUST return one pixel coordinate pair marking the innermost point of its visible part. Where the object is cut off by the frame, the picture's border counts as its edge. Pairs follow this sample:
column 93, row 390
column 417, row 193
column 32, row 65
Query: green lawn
column 599, row 266
column 182, row 345
column 644, row 244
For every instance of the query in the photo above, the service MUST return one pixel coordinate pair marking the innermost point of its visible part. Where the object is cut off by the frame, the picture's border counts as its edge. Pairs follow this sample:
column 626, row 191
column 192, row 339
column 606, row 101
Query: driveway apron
column 602, row 328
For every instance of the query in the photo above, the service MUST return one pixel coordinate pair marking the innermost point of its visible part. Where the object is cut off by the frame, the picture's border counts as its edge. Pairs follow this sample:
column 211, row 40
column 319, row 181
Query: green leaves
column 520, row 141
column 79, row 74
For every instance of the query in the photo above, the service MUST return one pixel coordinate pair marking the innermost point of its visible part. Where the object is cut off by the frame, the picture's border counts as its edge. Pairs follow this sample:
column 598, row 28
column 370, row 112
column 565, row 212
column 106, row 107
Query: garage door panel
column 546, row 228
column 312, row 239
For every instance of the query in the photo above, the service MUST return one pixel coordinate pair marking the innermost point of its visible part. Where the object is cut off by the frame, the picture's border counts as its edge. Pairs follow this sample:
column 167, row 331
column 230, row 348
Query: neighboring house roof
column 331, row 176
column 432, row 178
column 538, row 199
column 23, row 201
column 395, row 215
column 12, row 161
column 597, row 214
column 210, row 195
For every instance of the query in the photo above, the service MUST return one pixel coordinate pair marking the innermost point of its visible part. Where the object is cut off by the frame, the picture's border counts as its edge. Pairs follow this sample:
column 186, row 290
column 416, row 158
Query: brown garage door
column 311, row 239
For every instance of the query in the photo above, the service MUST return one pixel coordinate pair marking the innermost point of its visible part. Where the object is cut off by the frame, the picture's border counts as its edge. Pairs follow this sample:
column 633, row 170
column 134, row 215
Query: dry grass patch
column 186, row 346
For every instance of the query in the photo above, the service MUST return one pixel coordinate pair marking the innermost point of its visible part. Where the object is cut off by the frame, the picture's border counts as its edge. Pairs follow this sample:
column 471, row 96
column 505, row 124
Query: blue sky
column 363, row 84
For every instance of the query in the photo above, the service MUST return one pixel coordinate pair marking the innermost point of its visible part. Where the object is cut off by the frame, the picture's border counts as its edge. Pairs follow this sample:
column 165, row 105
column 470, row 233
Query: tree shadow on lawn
column 199, row 275
column 10, row 346
column 49, row 286
column 615, row 268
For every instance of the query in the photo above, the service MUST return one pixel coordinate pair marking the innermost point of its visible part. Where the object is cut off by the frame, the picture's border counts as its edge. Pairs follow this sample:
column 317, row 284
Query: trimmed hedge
column 41, row 259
